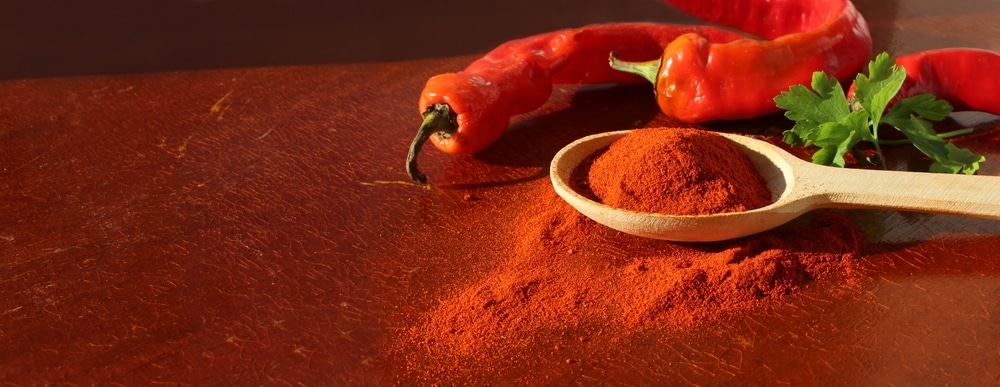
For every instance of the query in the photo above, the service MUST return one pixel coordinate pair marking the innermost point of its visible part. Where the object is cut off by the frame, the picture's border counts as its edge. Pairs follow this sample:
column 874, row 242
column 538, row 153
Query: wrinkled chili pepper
column 697, row 80
column 965, row 77
column 467, row 111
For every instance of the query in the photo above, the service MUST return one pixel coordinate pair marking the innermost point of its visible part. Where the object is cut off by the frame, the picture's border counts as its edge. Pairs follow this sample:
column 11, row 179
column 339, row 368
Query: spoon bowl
column 796, row 186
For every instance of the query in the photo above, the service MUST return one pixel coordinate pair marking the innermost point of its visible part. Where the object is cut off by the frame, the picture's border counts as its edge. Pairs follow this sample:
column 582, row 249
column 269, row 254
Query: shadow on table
column 527, row 147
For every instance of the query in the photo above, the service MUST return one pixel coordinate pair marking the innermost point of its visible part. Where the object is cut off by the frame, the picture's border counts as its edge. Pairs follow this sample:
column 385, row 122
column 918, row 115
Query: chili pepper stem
column 437, row 120
column 649, row 70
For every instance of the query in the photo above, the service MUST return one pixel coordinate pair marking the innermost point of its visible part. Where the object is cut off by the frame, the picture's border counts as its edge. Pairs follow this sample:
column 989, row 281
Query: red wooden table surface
column 255, row 226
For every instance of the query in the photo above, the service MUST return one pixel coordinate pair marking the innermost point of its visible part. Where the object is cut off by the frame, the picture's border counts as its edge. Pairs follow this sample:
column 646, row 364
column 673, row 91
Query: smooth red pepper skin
column 701, row 81
column 965, row 77
column 517, row 77
column 708, row 73
column 767, row 19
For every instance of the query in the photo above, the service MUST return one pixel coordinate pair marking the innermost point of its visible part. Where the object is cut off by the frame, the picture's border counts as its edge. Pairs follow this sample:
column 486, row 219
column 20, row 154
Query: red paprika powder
column 677, row 171
column 565, row 274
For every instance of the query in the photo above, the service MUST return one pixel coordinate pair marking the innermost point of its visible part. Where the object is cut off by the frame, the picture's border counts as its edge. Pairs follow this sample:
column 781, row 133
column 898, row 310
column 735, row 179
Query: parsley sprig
column 826, row 119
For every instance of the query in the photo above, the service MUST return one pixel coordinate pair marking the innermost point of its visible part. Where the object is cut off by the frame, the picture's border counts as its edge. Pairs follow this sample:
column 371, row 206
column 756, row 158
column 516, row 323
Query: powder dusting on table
column 565, row 271
column 568, row 270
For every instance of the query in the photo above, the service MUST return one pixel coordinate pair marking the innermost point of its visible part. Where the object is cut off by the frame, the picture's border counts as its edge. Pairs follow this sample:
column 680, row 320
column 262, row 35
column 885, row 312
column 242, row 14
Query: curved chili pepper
column 467, row 111
column 965, row 77
column 697, row 80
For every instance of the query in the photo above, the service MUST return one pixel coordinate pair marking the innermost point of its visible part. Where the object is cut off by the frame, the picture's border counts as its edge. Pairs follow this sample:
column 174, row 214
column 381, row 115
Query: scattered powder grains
column 676, row 171
column 566, row 273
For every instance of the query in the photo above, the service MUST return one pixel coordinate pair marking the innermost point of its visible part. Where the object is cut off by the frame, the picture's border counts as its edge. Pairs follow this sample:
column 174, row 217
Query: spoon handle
column 977, row 196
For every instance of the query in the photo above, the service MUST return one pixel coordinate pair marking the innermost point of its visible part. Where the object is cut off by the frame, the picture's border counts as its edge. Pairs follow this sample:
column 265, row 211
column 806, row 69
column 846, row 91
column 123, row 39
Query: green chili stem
column 437, row 120
column 649, row 70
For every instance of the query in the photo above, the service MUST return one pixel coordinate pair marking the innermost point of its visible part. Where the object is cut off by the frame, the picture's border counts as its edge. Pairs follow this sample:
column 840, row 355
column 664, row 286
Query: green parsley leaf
column 827, row 103
column 875, row 91
column 947, row 157
column 958, row 160
column 924, row 105
column 826, row 119
column 809, row 109
column 834, row 139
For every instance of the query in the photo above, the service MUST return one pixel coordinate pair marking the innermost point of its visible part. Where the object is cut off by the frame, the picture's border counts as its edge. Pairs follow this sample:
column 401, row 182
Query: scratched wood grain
column 235, row 211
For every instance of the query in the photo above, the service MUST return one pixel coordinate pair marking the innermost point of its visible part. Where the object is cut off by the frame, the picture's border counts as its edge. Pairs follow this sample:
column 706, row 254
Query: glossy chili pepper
column 467, row 111
column 965, row 77
column 697, row 80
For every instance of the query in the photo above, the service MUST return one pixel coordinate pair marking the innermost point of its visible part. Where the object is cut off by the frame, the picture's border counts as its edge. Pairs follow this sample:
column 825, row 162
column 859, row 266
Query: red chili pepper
column 965, row 77
column 697, row 80
column 467, row 111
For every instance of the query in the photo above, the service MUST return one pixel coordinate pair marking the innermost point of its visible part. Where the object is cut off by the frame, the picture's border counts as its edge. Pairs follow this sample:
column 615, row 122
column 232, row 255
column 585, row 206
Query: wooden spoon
column 797, row 187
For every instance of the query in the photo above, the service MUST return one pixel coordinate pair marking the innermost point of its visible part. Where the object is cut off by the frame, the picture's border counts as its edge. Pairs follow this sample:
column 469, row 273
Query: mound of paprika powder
column 676, row 171
column 567, row 285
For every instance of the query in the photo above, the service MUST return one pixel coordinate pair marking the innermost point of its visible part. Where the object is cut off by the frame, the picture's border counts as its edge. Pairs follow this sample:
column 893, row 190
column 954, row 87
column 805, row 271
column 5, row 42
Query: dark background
column 63, row 38
column 66, row 38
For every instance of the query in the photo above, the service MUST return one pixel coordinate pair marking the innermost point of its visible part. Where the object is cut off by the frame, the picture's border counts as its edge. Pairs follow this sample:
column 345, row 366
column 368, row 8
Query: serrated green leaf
column 858, row 121
column 924, row 105
column 947, row 156
column 834, row 132
column 828, row 87
column 828, row 156
column 802, row 104
column 806, row 131
column 875, row 91
column 920, row 133
column 834, row 140
column 793, row 139
column 882, row 67
column 959, row 160
column 825, row 118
